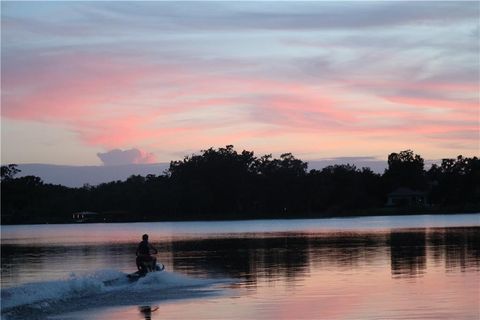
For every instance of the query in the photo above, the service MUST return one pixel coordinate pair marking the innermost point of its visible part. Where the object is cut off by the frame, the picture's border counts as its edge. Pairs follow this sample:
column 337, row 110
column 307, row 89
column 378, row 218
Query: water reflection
column 261, row 257
column 444, row 245
column 291, row 256
column 408, row 253
column 23, row 263
column 146, row 311
column 248, row 258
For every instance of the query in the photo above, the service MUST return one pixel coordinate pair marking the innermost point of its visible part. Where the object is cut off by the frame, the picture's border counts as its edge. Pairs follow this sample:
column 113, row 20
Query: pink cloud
column 437, row 103
column 120, row 102
column 65, row 86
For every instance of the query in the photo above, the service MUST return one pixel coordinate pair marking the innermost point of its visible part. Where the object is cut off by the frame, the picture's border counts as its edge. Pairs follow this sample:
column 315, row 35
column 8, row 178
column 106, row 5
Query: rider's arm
column 155, row 251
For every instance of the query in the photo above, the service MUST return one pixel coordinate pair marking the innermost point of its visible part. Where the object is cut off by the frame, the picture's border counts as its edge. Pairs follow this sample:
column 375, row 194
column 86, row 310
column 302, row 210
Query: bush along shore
column 223, row 184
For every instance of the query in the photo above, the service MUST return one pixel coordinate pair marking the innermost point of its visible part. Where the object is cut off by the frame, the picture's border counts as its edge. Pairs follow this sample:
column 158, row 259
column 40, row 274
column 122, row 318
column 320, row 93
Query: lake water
column 410, row 267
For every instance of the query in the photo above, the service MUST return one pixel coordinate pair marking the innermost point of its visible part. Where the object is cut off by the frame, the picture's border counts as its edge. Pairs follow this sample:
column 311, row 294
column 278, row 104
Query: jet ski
column 145, row 268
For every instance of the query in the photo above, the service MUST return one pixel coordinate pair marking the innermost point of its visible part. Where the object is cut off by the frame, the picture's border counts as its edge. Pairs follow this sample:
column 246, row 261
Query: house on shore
column 108, row 216
column 406, row 197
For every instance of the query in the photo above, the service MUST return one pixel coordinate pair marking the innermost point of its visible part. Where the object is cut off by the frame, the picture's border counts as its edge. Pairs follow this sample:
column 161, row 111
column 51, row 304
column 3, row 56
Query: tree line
column 225, row 184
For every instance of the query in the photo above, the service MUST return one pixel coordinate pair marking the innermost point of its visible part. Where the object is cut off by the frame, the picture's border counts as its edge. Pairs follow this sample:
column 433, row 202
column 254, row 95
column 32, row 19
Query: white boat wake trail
column 101, row 288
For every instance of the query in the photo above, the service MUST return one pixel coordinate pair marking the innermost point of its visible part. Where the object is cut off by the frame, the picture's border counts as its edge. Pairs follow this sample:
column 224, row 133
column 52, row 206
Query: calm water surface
column 415, row 267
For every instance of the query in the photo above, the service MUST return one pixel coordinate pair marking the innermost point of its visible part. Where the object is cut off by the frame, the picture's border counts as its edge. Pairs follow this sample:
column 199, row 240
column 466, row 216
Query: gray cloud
column 377, row 165
column 131, row 156
column 229, row 16
column 77, row 176
column 106, row 17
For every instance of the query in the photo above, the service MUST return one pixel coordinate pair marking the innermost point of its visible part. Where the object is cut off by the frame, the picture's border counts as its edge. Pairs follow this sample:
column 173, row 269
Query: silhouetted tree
column 226, row 184
column 215, row 181
column 456, row 181
column 9, row 171
column 405, row 169
column 344, row 188
column 281, row 184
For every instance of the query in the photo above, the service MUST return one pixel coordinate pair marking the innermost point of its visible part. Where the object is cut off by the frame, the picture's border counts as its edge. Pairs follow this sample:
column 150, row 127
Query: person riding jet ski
column 145, row 261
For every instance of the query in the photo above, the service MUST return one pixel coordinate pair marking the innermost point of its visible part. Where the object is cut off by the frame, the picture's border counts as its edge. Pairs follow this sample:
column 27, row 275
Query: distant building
column 108, row 216
column 84, row 216
column 405, row 197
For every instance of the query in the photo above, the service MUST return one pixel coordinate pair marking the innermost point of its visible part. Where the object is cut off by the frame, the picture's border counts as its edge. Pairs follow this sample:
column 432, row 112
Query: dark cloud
column 131, row 156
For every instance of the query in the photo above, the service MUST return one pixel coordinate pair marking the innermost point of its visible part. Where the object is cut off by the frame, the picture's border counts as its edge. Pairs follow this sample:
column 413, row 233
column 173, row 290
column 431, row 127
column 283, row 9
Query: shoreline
column 380, row 213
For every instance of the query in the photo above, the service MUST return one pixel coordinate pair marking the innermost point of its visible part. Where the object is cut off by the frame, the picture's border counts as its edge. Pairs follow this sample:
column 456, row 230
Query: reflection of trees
column 270, row 258
column 408, row 253
column 347, row 250
column 457, row 247
column 454, row 248
column 247, row 258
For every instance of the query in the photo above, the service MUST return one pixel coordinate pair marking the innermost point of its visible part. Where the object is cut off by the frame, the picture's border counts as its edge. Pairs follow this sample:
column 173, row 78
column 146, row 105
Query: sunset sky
column 154, row 81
